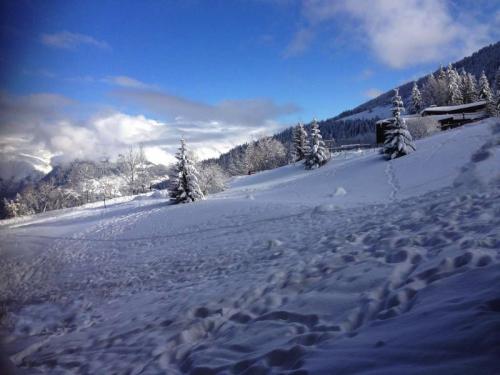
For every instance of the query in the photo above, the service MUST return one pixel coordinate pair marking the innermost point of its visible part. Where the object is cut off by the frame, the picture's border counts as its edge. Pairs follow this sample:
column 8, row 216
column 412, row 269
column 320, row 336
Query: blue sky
column 167, row 68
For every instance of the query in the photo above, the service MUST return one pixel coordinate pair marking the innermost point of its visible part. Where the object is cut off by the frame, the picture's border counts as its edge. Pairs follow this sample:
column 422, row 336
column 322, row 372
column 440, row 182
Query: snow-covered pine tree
column 470, row 89
column 484, row 93
column 416, row 99
column 318, row 154
column 300, row 142
column 484, row 90
column 398, row 140
column 441, row 89
column 454, row 92
column 463, row 84
column 429, row 91
column 185, row 188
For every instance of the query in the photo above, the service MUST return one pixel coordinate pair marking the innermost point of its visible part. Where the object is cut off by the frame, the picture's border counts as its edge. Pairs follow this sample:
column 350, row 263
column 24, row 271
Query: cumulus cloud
column 46, row 126
column 402, row 33
column 68, row 40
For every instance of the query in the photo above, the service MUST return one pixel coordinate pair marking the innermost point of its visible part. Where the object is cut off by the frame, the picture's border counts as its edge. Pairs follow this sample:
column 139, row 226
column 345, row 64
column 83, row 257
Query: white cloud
column 68, row 40
column 403, row 33
column 43, row 125
column 300, row 42
column 231, row 113
column 372, row 93
column 124, row 81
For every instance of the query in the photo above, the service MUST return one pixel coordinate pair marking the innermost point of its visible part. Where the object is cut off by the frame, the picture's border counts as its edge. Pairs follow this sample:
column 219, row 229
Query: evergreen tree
column 398, row 140
column 470, row 89
column 484, row 93
column 441, row 89
column 300, row 142
column 318, row 154
column 429, row 91
column 454, row 92
column 416, row 99
column 463, row 84
column 185, row 188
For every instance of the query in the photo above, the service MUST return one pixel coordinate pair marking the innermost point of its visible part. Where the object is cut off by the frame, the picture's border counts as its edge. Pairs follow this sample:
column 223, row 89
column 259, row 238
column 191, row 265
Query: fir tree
column 318, row 154
column 470, row 89
column 463, row 84
column 186, row 188
column 441, row 89
column 454, row 92
column 429, row 91
column 484, row 93
column 416, row 99
column 300, row 143
column 398, row 140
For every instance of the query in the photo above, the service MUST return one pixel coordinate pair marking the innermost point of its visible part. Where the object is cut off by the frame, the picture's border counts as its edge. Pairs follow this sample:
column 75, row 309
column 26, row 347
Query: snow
column 455, row 107
column 362, row 266
column 379, row 111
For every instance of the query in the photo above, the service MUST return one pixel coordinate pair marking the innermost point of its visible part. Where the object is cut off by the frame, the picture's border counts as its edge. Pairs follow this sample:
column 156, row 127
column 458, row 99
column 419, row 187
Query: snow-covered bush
column 265, row 153
column 212, row 178
column 421, row 127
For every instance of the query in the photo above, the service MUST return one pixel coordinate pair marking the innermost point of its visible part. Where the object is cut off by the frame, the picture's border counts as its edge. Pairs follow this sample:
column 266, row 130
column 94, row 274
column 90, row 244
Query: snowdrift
column 363, row 266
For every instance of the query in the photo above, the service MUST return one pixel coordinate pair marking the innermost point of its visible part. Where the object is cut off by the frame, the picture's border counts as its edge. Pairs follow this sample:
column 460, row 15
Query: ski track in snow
column 276, row 284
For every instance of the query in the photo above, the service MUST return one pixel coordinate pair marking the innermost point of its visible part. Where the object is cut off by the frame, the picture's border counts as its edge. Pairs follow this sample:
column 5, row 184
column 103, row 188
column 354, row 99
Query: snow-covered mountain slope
column 363, row 266
column 19, row 166
column 486, row 59
column 380, row 112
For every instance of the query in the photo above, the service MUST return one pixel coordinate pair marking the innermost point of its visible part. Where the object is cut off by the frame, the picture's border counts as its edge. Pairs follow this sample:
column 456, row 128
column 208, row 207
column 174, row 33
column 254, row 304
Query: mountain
column 20, row 171
column 357, row 125
column 487, row 59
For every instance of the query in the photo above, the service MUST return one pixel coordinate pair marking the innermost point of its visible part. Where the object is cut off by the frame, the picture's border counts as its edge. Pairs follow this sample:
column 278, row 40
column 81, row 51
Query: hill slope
column 487, row 59
column 363, row 265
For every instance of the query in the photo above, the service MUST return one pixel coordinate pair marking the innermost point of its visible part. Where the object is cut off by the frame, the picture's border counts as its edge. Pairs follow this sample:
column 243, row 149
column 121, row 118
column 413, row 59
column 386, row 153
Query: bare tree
column 266, row 153
column 134, row 170
column 212, row 178
column 82, row 180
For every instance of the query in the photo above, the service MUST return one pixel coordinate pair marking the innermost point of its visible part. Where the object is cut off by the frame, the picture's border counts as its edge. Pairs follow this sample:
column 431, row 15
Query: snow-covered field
column 363, row 266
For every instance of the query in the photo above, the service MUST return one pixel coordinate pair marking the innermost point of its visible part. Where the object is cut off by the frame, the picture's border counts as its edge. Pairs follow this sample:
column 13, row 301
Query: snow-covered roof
column 453, row 108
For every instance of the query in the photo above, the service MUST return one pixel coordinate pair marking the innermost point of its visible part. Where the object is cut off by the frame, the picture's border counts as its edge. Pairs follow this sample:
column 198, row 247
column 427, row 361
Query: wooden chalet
column 448, row 117
column 455, row 109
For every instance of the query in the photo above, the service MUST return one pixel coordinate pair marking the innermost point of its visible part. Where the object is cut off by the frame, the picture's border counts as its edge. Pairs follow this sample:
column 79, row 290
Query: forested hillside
column 344, row 130
column 487, row 59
